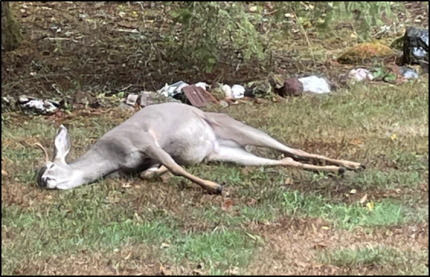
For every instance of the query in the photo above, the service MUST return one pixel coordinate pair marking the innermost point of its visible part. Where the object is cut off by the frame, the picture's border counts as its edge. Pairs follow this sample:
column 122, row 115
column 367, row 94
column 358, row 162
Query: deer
column 165, row 137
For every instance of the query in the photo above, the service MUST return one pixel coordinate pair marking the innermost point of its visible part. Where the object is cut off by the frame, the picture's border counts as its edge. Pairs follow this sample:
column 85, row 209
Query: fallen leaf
column 363, row 199
column 165, row 270
column 164, row 245
column 4, row 172
column 325, row 228
column 289, row 181
column 255, row 237
column 393, row 137
column 233, row 271
column 253, row 9
column 370, row 206
column 165, row 178
column 353, row 191
column 252, row 202
column 356, row 142
column 227, row 204
column 126, row 185
column 128, row 256
column 197, row 272
column 320, row 246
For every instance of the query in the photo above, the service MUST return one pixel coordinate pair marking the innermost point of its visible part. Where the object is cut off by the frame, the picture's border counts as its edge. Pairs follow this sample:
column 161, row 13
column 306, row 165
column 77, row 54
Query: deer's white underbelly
column 191, row 145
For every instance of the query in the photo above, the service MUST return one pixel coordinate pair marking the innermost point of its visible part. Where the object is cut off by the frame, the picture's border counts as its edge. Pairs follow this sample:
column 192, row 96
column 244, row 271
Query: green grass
column 218, row 250
column 384, row 213
column 91, row 228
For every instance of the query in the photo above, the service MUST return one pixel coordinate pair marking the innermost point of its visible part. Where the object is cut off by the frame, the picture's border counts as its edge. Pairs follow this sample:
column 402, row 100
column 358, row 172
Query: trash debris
column 8, row 103
column 237, row 91
column 150, row 98
column 315, row 84
column 131, row 99
column 198, row 96
column 259, row 88
column 203, row 85
column 386, row 75
column 415, row 45
column 360, row 74
column 408, row 73
column 292, row 87
column 172, row 90
column 124, row 106
column 223, row 104
column 227, row 91
column 83, row 99
column 37, row 105
column 424, row 65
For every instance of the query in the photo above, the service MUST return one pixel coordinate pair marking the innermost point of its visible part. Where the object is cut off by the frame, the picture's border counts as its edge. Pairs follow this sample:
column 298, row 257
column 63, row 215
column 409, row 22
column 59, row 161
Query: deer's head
column 57, row 173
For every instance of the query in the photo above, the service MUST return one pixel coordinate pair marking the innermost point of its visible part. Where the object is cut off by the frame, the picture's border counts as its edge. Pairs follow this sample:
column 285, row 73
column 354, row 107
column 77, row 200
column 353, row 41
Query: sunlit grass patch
column 218, row 250
column 373, row 214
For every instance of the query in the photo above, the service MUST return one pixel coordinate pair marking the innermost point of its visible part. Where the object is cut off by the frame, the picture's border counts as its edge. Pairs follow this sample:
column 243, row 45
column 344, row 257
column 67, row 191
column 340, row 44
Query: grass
column 384, row 258
column 384, row 213
column 178, row 225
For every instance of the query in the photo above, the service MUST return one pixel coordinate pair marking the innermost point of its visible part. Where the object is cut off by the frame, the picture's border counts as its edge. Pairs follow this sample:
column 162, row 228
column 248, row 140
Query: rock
column 292, row 87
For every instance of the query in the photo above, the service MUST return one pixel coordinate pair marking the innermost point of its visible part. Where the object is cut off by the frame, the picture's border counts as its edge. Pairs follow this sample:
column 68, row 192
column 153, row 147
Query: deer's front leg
column 161, row 156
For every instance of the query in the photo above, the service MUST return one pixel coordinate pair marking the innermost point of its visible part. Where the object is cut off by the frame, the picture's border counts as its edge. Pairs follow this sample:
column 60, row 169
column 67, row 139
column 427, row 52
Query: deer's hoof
column 219, row 190
column 362, row 166
column 341, row 170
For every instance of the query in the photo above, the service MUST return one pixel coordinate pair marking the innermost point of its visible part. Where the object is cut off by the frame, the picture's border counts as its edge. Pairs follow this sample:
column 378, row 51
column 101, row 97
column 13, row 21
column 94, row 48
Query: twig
column 306, row 36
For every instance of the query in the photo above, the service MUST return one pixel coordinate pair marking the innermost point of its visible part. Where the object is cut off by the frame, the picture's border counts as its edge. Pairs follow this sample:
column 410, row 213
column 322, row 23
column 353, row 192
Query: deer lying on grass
column 160, row 138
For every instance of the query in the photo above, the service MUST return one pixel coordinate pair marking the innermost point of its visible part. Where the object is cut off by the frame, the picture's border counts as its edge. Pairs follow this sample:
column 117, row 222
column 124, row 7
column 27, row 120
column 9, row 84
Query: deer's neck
column 92, row 166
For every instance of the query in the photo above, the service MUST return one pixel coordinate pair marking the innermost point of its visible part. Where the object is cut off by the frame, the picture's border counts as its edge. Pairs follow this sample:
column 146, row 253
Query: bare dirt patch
column 293, row 245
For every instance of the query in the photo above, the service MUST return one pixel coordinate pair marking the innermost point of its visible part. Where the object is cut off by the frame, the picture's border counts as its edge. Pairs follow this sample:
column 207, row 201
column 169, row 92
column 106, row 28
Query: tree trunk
column 10, row 30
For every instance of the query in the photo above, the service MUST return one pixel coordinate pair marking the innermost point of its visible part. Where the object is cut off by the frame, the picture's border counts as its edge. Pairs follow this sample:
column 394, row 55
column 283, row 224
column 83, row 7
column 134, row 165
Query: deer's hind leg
column 242, row 157
column 228, row 128
column 153, row 172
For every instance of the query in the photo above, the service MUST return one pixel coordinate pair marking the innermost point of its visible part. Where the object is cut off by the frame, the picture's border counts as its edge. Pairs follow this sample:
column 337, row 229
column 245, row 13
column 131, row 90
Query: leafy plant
column 213, row 29
column 213, row 32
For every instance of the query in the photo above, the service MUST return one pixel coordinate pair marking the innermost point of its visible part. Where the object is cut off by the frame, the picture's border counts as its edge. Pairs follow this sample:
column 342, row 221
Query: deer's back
column 178, row 130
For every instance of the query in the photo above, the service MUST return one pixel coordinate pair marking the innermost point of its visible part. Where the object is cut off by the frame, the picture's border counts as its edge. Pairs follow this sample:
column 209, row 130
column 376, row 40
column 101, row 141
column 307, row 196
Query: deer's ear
column 62, row 144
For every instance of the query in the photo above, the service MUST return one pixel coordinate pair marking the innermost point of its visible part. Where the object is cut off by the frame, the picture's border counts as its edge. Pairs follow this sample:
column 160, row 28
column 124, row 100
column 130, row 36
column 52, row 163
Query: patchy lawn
column 270, row 220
